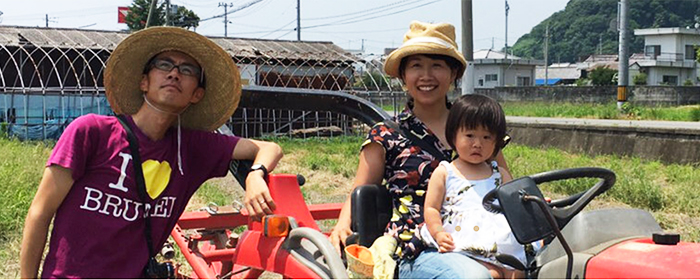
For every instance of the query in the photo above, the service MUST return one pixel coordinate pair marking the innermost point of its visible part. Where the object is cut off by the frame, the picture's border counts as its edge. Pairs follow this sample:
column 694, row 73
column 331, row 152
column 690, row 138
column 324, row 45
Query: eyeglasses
column 184, row 69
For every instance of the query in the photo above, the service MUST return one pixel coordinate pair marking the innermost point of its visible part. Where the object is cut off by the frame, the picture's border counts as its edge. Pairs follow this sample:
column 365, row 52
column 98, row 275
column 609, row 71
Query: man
column 175, row 87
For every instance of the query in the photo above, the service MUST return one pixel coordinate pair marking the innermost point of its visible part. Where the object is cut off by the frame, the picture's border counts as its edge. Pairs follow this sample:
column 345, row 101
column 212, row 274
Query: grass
column 20, row 173
column 602, row 111
column 668, row 191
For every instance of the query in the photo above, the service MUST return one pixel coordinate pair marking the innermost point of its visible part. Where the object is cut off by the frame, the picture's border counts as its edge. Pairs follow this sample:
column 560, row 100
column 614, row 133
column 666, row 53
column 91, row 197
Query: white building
column 494, row 69
column 669, row 55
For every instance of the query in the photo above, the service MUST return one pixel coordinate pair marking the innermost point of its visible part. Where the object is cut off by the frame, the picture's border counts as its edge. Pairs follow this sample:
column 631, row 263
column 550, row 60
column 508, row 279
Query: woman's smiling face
column 427, row 80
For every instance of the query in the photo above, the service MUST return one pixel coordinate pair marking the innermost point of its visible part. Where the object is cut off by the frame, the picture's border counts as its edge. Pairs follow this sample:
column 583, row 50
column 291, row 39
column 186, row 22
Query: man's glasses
column 184, row 69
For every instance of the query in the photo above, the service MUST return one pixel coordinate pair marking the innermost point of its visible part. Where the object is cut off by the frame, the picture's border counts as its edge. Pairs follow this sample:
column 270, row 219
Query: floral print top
column 406, row 173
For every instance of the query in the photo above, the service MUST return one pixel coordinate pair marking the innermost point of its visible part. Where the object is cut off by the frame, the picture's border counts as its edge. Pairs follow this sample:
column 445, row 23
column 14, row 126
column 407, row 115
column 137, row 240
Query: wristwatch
column 258, row 166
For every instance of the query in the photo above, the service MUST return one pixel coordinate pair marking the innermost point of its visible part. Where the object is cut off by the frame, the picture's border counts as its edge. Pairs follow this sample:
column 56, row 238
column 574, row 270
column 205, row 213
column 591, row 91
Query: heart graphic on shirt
column 157, row 175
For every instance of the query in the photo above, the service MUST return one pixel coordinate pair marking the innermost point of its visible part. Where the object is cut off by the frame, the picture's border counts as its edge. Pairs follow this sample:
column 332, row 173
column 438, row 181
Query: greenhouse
column 50, row 76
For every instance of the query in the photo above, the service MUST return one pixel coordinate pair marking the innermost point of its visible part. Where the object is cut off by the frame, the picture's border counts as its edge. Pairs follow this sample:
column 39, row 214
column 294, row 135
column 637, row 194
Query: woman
column 428, row 63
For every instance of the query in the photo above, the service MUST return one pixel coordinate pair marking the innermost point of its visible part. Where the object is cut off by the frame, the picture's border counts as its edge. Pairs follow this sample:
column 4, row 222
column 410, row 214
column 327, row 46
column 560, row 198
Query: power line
column 368, row 18
column 273, row 31
column 375, row 9
column 363, row 31
column 232, row 11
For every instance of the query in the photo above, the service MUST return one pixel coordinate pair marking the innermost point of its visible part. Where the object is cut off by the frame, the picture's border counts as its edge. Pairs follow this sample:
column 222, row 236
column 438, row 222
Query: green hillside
column 588, row 27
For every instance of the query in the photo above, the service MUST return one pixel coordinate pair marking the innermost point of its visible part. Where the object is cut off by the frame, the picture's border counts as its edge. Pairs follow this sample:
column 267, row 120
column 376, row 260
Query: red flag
column 122, row 14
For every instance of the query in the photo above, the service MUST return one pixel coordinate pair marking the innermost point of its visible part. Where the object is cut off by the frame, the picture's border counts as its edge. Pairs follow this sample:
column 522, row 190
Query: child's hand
column 444, row 241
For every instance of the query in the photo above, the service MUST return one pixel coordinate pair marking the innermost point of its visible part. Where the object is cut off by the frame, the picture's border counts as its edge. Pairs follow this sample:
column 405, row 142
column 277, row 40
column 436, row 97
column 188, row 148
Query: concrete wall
column 669, row 145
column 643, row 95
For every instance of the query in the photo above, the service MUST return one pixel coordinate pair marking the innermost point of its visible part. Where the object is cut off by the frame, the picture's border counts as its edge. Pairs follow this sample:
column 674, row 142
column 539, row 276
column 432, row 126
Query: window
column 690, row 52
column 491, row 77
column 481, row 82
column 524, row 81
column 670, row 80
column 652, row 51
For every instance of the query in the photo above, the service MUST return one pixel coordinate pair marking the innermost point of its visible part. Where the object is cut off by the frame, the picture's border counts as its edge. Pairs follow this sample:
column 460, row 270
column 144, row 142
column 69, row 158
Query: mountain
column 588, row 27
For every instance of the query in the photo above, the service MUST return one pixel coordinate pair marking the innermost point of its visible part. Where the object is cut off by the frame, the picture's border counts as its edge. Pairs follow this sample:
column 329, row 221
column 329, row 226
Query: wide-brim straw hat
column 425, row 38
column 125, row 69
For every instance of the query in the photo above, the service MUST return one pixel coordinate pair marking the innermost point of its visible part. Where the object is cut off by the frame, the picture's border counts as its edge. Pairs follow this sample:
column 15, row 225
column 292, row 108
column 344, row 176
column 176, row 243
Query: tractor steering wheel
column 513, row 196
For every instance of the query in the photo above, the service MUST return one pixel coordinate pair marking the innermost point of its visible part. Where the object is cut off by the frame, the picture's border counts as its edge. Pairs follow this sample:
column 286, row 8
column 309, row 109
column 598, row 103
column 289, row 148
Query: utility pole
column 151, row 11
column 225, row 5
column 623, row 61
column 467, row 47
column 167, row 13
column 298, row 20
column 546, row 56
column 47, row 20
column 506, row 49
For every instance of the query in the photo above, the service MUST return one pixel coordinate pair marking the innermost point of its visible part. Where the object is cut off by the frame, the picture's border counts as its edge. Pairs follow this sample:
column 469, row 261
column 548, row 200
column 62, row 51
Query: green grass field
column 668, row 191
column 602, row 111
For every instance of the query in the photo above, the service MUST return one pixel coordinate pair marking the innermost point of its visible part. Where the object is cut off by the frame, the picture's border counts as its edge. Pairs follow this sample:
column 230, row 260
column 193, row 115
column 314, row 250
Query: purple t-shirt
column 99, row 228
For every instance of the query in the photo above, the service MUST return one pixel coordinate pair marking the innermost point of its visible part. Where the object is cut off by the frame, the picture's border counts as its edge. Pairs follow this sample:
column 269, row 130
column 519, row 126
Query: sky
column 351, row 24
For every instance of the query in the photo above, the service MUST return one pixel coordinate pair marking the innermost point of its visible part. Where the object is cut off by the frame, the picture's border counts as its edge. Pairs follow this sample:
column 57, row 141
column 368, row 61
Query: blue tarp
column 552, row 81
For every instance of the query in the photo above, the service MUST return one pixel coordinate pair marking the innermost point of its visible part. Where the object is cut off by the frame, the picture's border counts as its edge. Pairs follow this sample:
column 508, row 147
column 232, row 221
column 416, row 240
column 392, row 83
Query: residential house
column 495, row 69
column 669, row 55
column 558, row 74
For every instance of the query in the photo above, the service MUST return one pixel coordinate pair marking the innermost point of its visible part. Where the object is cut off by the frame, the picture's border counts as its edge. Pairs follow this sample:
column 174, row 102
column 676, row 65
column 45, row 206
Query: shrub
column 602, row 76
column 640, row 79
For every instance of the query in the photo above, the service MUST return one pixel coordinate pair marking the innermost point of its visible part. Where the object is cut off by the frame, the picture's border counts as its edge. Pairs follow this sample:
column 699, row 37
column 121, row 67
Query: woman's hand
column 257, row 198
column 338, row 236
column 445, row 242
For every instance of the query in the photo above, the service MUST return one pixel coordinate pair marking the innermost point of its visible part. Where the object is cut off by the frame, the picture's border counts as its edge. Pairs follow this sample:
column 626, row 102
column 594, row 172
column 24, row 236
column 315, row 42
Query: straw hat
column 125, row 69
column 425, row 38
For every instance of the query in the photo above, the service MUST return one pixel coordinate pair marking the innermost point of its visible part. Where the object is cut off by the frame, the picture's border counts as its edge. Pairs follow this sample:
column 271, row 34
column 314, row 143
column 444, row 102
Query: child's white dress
column 475, row 231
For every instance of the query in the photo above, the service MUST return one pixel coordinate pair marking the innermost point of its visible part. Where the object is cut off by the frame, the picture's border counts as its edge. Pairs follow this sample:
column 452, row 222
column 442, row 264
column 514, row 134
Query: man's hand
column 257, row 198
column 445, row 242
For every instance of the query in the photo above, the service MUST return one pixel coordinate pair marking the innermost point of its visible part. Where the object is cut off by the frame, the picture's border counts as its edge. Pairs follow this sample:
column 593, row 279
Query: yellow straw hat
column 425, row 38
column 222, row 81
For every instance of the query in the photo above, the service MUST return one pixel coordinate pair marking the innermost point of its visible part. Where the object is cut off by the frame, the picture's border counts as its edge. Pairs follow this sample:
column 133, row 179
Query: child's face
column 475, row 146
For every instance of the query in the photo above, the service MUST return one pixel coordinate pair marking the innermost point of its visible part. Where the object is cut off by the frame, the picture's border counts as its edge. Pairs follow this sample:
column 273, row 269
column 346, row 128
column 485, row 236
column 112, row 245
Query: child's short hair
column 471, row 111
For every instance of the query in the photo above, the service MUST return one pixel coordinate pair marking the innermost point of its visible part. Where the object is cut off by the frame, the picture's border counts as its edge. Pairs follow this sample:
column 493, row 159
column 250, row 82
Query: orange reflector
column 275, row 225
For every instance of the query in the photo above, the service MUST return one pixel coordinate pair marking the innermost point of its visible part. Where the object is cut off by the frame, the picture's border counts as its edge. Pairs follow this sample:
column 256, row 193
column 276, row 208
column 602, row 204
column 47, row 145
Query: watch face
column 259, row 167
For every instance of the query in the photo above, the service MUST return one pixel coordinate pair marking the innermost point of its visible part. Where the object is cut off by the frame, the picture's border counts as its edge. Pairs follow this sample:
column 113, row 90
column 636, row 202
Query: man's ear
column 143, row 85
column 197, row 95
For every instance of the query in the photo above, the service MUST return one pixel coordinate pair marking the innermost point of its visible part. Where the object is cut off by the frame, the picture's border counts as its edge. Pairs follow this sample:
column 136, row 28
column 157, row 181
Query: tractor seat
column 370, row 213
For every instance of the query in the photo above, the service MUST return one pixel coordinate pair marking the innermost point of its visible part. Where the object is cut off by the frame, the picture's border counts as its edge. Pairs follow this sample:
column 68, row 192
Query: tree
column 138, row 15
column 584, row 26
column 185, row 18
column 602, row 76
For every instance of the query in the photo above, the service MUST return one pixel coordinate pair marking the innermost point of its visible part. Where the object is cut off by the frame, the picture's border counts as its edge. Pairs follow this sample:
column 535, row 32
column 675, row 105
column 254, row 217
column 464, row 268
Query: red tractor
column 607, row 243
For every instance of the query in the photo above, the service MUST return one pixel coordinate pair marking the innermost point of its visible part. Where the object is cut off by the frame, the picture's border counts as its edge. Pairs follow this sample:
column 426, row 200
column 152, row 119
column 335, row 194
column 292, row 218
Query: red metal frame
column 643, row 259
column 252, row 253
